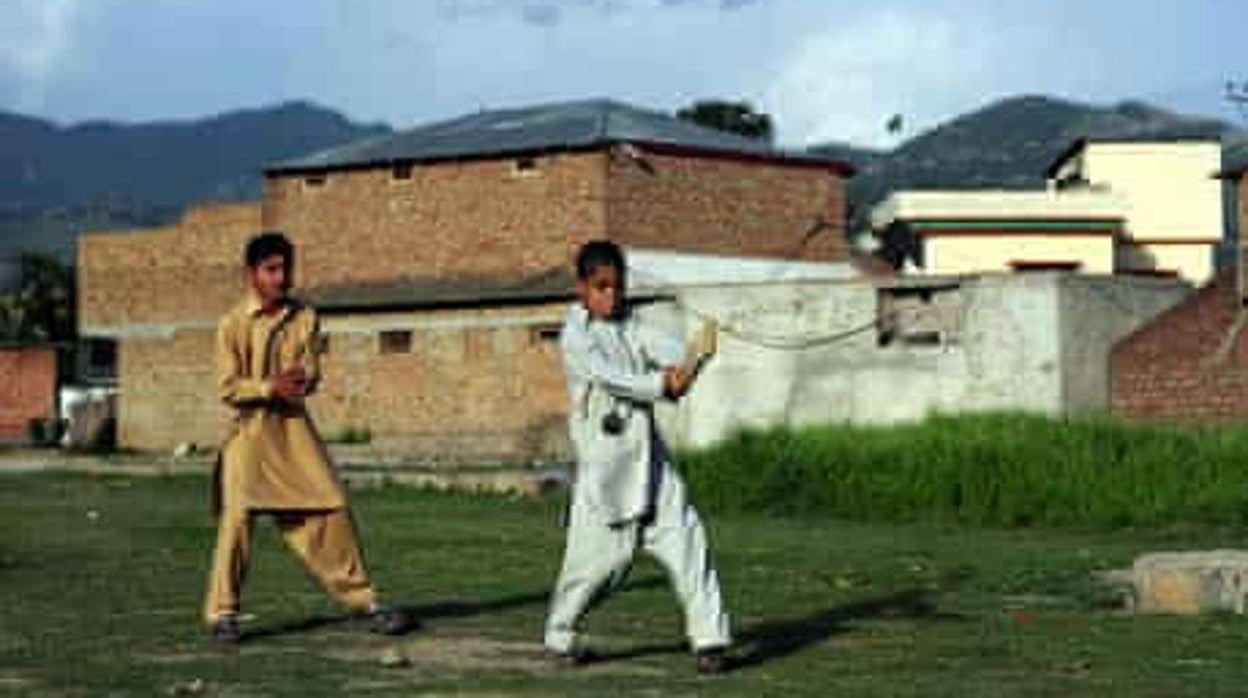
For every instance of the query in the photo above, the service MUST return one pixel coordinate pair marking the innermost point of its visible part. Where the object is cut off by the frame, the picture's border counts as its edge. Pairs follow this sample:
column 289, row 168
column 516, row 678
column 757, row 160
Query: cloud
column 825, row 69
column 844, row 81
column 34, row 41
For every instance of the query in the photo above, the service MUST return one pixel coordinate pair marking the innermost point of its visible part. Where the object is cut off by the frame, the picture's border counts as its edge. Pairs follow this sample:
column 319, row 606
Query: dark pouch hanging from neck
column 612, row 423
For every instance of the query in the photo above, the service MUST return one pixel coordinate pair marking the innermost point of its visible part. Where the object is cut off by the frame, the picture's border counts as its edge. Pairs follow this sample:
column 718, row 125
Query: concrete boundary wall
column 1029, row 342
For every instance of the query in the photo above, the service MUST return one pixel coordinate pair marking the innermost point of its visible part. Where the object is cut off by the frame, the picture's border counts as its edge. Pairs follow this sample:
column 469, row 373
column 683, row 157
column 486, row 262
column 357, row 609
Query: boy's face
column 602, row 292
column 270, row 279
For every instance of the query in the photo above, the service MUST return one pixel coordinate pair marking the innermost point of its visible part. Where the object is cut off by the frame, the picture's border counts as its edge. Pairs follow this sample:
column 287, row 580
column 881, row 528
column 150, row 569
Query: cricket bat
column 702, row 348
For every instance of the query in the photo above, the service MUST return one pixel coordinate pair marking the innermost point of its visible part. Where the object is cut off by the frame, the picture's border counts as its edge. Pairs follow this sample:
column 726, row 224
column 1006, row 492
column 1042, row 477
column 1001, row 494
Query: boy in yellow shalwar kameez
column 272, row 461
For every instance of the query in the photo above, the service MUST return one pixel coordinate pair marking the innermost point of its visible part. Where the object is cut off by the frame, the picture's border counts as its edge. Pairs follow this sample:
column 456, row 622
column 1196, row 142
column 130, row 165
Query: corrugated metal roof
column 543, row 128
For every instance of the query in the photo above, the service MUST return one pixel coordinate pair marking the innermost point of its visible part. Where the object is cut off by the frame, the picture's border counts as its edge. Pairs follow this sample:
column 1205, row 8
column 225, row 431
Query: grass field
column 101, row 582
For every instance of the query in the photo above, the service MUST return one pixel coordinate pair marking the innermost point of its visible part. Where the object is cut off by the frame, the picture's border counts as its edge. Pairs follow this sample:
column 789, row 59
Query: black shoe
column 573, row 658
column 224, row 631
column 390, row 621
column 713, row 660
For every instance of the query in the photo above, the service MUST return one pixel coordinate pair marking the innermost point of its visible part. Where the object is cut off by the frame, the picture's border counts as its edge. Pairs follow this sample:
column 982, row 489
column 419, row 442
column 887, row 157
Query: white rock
column 1186, row 582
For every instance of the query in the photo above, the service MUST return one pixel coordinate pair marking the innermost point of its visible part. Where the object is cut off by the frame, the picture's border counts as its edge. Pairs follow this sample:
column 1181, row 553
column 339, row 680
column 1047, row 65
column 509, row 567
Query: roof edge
column 778, row 157
column 1082, row 142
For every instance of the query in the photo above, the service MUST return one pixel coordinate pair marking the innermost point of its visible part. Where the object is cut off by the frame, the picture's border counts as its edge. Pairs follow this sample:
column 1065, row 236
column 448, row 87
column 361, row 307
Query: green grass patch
column 995, row 470
column 102, row 579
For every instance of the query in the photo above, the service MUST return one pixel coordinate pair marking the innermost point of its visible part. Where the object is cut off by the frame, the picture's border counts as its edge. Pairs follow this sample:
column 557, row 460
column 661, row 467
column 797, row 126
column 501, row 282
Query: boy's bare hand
column 676, row 382
column 290, row 385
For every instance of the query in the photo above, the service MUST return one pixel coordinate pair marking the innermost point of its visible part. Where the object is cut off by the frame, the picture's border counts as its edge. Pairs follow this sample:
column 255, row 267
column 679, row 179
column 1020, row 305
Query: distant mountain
column 1008, row 144
column 56, row 181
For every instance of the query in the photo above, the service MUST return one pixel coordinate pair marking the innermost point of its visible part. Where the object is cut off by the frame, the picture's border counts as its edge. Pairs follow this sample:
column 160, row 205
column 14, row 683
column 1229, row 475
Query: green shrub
column 995, row 470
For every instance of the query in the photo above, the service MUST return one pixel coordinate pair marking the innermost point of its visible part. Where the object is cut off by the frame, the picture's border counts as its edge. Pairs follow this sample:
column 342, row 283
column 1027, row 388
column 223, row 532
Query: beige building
column 1174, row 202
column 964, row 232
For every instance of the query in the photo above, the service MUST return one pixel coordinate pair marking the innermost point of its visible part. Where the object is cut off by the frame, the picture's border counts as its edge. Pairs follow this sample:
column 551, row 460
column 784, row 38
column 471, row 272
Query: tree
column 895, row 125
column 733, row 117
column 42, row 308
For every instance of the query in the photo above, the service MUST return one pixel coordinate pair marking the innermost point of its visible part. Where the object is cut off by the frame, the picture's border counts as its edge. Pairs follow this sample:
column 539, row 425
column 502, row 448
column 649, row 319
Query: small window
column 401, row 171
column 917, row 316
column 314, row 181
column 1026, row 265
column 524, row 167
column 395, row 341
column 545, row 334
column 101, row 359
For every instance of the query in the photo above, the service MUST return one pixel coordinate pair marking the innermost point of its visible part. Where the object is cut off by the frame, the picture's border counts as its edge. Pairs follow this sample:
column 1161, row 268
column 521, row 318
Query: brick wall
column 725, row 206
column 457, row 219
column 168, row 391
column 464, row 219
column 185, row 273
column 1191, row 363
column 1174, row 369
column 486, row 217
column 476, row 385
column 27, row 389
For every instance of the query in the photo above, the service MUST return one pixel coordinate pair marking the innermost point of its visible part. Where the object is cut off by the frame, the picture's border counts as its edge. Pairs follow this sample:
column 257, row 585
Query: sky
column 826, row 70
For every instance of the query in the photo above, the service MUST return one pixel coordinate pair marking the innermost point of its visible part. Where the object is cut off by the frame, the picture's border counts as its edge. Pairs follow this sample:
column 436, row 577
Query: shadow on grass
column 422, row 612
column 775, row 639
column 763, row 642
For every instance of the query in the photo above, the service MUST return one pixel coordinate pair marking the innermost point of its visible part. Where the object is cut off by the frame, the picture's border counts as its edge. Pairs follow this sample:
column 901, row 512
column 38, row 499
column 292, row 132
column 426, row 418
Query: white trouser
column 599, row 556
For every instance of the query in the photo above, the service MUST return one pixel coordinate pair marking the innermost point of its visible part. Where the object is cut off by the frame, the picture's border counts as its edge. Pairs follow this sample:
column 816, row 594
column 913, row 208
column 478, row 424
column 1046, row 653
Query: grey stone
column 1185, row 583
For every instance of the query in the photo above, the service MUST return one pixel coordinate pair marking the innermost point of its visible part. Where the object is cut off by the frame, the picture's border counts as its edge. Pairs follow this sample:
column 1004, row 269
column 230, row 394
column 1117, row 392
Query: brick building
column 438, row 256
column 1191, row 363
column 28, row 383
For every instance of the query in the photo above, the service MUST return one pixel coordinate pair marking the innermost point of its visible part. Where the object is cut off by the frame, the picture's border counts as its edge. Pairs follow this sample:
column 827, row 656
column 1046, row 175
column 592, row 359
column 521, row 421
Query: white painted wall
column 1030, row 342
column 972, row 254
column 1171, row 195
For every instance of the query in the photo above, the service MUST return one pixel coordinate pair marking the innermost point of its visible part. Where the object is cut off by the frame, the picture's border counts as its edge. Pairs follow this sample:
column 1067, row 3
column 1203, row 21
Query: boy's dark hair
column 598, row 253
column 268, row 244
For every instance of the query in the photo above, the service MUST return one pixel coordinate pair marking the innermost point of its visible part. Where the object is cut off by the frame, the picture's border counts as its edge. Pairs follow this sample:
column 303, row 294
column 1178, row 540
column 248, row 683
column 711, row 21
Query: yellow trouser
column 324, row 540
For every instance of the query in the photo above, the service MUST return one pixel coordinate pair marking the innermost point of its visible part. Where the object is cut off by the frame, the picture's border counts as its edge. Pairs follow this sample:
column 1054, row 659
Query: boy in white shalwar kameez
column 626, row 494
